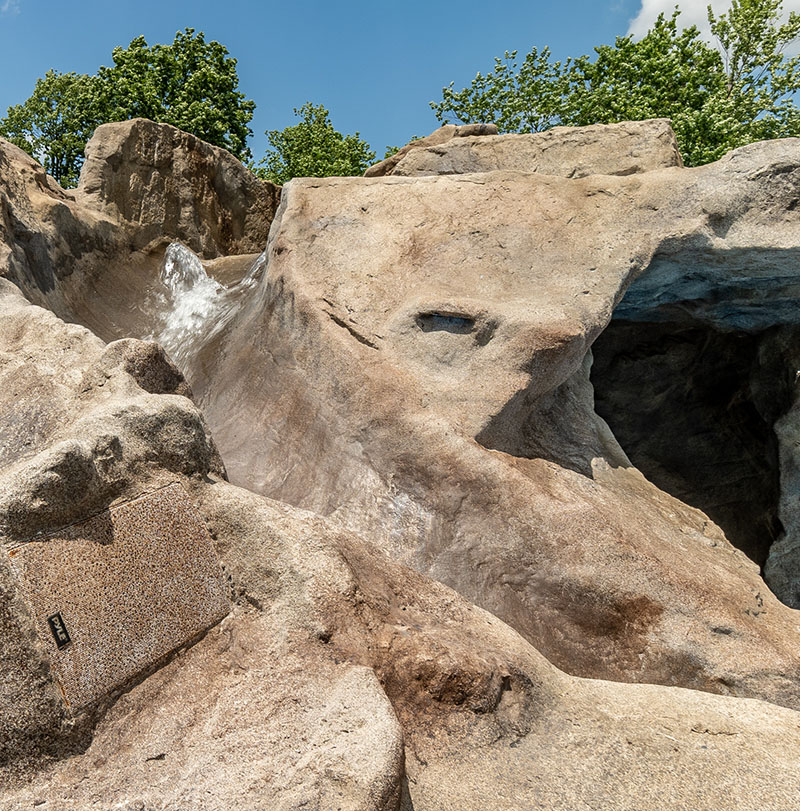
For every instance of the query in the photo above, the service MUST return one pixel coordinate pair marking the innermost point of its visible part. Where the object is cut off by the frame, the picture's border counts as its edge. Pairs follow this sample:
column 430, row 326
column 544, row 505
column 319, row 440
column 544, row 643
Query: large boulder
column 602, row 149
column 415, row 362
column 339, row 679
column 166, row 182
column 93, row 254
column 47, row 241
column 410, row 360
column 439, row 136
column 83, row 426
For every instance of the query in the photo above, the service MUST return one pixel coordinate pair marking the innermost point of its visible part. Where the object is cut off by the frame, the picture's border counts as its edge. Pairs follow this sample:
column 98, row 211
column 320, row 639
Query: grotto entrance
column 696, row 367
column 694, row 410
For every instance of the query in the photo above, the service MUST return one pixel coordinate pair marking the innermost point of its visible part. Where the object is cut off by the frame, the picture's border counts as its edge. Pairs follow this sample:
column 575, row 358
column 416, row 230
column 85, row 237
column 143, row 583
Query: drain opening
column 445, row 322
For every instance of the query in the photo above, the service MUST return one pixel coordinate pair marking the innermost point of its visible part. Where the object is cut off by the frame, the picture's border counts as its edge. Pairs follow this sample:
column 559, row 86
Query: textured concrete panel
column 114, row 594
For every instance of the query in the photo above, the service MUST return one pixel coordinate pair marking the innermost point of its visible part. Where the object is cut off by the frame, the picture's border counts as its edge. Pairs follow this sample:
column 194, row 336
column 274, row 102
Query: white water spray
column 195, row 307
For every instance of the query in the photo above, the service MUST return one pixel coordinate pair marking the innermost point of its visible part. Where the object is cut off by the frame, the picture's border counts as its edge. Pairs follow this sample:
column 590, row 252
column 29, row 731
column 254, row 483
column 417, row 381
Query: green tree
column 717, row 98
column 518, row 98
column 669, row 73
column 54, row 124
column 313, row 148
column 760, row 80
column 191, row 84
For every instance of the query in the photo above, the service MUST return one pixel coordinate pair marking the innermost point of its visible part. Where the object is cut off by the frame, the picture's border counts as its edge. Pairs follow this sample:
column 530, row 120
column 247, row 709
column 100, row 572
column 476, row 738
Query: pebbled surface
column 131, row 584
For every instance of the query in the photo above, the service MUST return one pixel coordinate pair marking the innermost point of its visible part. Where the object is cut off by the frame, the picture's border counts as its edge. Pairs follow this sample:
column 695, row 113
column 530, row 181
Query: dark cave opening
column 694, row 408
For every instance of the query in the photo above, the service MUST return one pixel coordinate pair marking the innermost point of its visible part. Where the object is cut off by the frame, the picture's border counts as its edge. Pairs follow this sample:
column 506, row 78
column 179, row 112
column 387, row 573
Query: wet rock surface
column 437, row 532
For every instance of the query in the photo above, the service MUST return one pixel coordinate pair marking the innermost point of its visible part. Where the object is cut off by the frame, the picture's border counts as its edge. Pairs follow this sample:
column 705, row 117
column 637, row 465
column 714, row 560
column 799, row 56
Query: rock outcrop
column 339, row 678
column 168, row 183
column 603, row 149
column 438, row 533
column 437, row 137
column 416, row 364
column 45, row 237
column 93, row 255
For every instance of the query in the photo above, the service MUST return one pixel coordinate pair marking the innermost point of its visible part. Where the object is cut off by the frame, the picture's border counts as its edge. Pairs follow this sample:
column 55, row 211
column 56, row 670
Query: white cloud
column 693, row 12
column 9, row 7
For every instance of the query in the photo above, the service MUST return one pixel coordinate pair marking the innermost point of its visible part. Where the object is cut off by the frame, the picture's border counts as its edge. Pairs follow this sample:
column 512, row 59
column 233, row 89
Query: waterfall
column 193, row 307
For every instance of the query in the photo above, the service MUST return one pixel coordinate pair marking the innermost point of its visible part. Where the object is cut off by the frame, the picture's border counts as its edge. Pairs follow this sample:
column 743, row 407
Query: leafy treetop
column 55, row 123
column 313, row 148
column 191, row 84
column 717, row 98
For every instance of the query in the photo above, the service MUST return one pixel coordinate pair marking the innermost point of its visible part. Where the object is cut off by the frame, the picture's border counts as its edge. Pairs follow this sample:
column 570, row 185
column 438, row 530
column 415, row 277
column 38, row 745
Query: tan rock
column 80, row 429
column 167, row 182
column 278, row 706
column 439, row 136
column 340, row 679
column 44, row 236
column 602, row 149
column 415, row 364
column 473, row 419
column 93, row 255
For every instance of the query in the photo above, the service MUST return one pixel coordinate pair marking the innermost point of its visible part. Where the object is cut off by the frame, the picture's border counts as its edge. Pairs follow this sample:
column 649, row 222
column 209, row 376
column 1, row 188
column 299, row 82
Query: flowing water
column 195, row 307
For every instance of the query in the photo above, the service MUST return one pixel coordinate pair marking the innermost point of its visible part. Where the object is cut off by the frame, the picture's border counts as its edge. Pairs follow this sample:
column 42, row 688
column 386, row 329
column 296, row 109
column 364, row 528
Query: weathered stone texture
column 412, row 364
column 421, row 348
column 603, row 149
column 167, row 182
column 129, row 585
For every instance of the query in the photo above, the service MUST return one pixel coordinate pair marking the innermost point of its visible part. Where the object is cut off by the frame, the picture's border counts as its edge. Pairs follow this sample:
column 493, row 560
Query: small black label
column 59, row 629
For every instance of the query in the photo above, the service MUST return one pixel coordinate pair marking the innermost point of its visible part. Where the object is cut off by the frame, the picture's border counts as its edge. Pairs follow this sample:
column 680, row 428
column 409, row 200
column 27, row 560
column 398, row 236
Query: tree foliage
column 191, row 84
column 718, row 98
column 518, row 98
column 760, row 80
column 313, row 148
column 54, row 124
column 669, row 73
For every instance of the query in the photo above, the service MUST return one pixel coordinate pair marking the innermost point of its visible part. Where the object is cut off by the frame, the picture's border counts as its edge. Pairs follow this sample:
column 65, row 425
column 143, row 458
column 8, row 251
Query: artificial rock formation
column 416, row 363
column 92, row 254
column 605, row 149
column 168, row 183
column 339, row 678
column 437, row 531
column 444, row 134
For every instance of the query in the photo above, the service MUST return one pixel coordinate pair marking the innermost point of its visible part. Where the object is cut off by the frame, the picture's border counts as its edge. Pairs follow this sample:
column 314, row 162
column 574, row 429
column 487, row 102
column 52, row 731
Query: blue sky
column 374, row 65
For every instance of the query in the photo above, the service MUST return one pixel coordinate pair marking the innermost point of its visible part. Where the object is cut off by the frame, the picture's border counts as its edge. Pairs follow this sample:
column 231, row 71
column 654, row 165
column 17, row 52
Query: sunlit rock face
column 94, row 254
column 168, row 183
column 413, row 359
column 415, row 362
column 627, row 148
column 339, row 678
column 408, row 370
